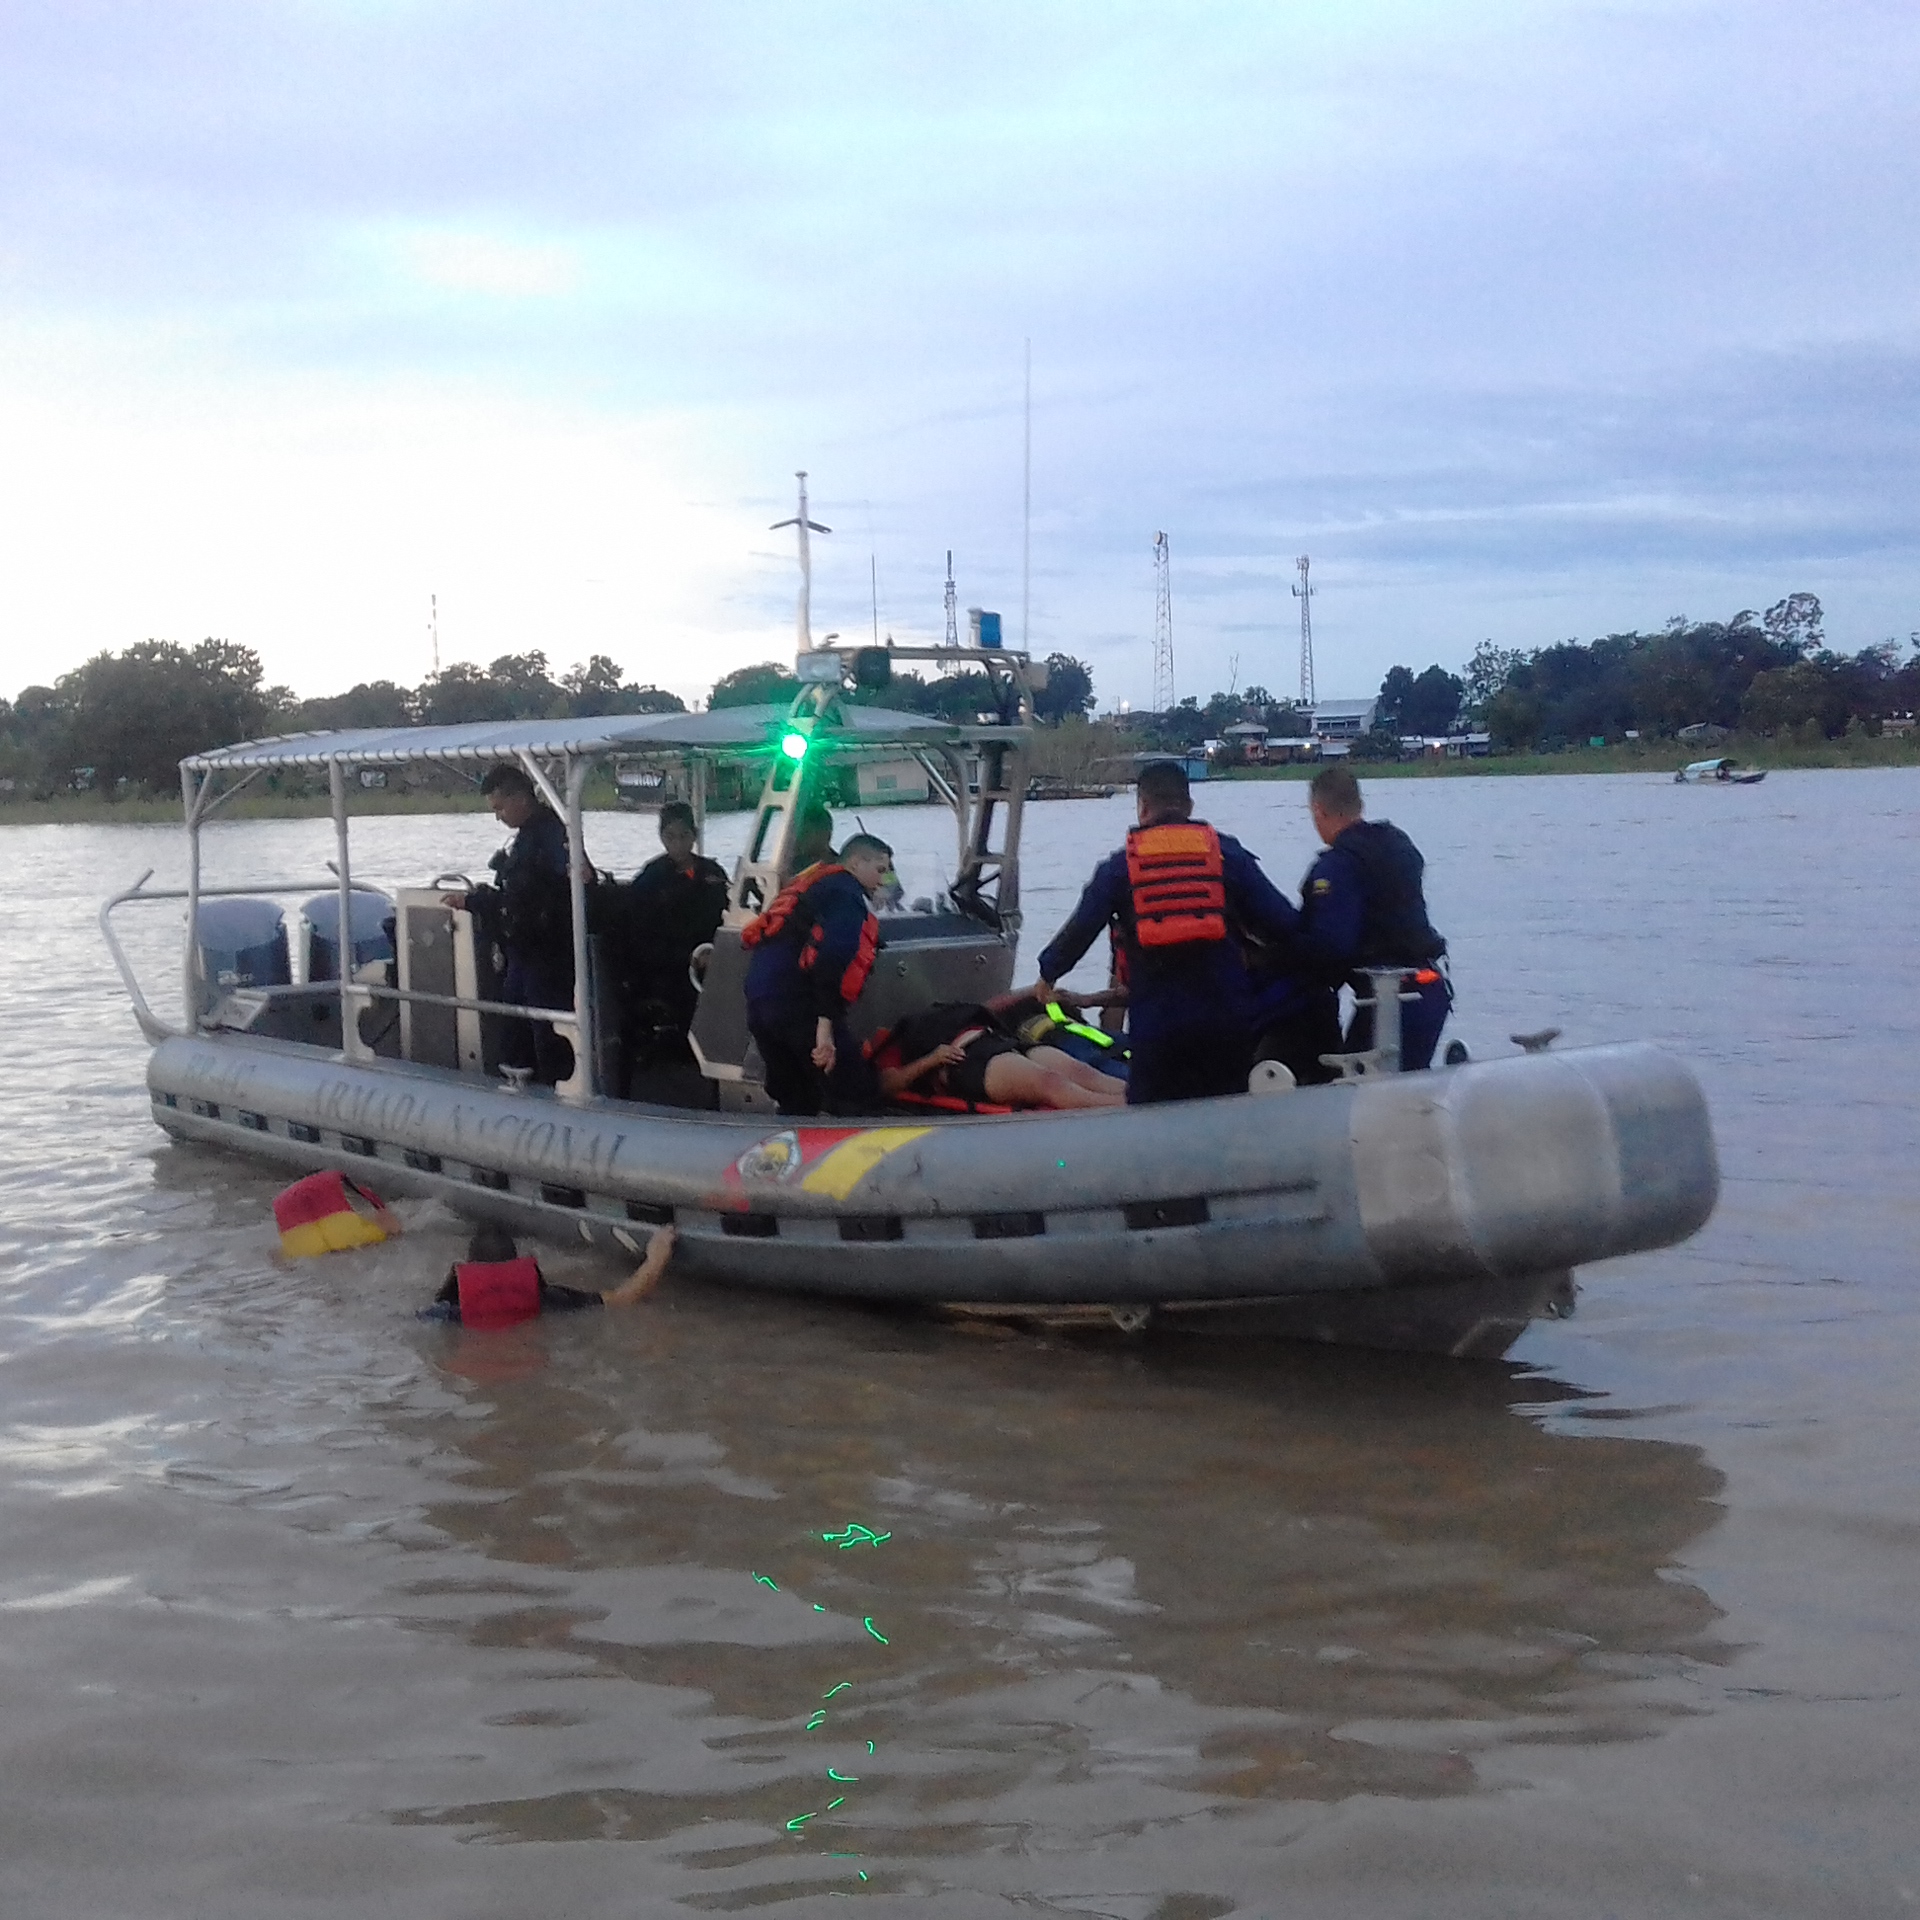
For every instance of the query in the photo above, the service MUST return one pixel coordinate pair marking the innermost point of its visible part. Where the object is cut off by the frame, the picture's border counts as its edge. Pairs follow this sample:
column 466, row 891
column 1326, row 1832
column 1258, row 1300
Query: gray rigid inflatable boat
column 1437, row 1210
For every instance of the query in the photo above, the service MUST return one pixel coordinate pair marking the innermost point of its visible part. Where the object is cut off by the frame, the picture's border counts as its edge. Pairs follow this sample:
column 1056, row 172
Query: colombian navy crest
column 772, row 1160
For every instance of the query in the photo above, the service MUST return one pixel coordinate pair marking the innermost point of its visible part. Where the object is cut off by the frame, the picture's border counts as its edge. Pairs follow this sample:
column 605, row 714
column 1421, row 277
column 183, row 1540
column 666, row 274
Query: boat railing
column 354, row 995
column 150, row 1023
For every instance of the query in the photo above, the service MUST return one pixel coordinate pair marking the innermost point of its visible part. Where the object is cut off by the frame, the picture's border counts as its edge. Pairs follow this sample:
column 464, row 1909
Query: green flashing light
column 794, row 745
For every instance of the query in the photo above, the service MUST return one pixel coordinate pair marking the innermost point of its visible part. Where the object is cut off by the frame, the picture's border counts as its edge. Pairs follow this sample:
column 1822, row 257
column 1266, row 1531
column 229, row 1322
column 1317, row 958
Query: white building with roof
column 1343, row 719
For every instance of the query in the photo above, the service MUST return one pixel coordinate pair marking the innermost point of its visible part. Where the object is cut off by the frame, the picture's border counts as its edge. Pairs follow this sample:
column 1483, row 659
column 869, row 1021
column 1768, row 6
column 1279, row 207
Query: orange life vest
column 498, row 1293
column 771, row 922
column 775, row 920
column 1179, row 897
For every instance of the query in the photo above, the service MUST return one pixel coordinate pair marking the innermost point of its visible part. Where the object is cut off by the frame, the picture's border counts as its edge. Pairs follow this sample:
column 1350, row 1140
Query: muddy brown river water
column 309, row 1608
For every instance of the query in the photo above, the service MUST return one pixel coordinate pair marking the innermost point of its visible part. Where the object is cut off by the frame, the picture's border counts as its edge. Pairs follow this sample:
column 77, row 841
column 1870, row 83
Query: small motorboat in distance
column 1721, row 772
column 1439, row 1211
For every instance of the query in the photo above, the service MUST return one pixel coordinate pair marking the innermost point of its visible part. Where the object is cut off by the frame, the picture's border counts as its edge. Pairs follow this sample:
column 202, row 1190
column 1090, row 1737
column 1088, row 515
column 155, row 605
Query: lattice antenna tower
column 1303, row 591
column 953, row 605
column 1162, row 625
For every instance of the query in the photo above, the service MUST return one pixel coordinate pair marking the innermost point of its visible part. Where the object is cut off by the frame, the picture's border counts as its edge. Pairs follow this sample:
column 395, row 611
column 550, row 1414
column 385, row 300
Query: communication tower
column 803, row 617
column 1162, row 625
column 433, row 623
column 953, row 605
column 1304, row 591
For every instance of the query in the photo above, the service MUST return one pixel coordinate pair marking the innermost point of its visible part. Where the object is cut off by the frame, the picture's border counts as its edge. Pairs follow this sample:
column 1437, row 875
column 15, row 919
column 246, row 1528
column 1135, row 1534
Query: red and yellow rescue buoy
column 327, row 1213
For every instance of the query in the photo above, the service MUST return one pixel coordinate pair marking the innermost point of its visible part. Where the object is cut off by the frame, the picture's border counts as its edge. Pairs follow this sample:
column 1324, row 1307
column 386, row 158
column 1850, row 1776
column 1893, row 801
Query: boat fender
column 498, row 1293
column 327, row 1213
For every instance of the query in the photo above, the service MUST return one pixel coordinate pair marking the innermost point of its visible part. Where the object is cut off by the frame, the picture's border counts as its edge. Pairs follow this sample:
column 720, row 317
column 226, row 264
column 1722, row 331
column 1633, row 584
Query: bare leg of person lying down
column 1082, row 1075
column 1028, row 1080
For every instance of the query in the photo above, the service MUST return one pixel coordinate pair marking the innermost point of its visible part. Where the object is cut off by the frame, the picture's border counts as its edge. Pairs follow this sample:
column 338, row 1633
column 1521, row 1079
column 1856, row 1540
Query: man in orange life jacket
column 812, row 951
column 1362, row 905
column 1179, row 893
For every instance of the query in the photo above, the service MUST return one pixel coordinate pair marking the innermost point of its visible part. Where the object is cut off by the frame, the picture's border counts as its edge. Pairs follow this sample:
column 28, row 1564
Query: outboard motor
column 370, row 921
column 243, row 943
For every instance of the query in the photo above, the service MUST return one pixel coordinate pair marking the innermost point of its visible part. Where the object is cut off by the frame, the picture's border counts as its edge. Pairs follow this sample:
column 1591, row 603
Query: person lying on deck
column 955, row 1054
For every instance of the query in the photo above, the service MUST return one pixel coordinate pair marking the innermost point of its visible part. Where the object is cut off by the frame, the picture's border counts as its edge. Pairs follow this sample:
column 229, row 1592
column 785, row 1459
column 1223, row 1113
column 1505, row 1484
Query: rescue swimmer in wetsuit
column 1362, row 905
column 812, row 951
column 672, row 908
column 497, row 1285
column 1181, row 895
column 528, row 915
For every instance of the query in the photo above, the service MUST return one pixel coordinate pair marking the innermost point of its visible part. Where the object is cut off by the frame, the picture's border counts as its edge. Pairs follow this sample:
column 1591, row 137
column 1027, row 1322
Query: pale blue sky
column 1554, row 321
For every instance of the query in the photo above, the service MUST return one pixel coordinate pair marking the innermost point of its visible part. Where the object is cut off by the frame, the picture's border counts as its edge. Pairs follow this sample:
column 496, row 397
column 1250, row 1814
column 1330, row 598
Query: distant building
column 1286, row 749
column 1343, row 719
column 883, row 783
column 1193, row 762
column 1703, row 732
column 1250, row 737
column 1445, row 746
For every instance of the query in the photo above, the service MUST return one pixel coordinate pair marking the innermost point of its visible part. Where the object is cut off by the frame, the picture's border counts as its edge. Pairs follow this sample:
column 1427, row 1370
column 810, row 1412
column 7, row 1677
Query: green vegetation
column 119, row 726
column 1768, row 678
column 109, row 737
column 105, row 740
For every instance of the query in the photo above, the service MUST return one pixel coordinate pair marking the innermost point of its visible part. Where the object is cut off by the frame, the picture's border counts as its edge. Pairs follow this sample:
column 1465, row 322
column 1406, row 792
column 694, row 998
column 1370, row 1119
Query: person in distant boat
column 813, row 949
column 1362, row 905
column 497, row 1285
column 960, row 1054
column 1183, row 897
column 674, row 905
column 528, row 914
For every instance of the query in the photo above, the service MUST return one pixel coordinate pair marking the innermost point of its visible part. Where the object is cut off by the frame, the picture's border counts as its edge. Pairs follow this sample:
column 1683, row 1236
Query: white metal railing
column 352, row 993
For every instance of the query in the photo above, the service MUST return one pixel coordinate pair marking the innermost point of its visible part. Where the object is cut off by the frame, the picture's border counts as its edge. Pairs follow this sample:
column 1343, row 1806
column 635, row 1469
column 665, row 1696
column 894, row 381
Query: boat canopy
column 727, row 730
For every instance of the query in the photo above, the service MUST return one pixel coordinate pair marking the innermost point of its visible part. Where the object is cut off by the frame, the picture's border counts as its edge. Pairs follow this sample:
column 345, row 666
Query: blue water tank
column 371, row 918
column 243, row 943
column 983, row 627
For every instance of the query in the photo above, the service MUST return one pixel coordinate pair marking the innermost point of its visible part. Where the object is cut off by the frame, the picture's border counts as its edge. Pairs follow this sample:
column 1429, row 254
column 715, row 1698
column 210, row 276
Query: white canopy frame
column 559, row 756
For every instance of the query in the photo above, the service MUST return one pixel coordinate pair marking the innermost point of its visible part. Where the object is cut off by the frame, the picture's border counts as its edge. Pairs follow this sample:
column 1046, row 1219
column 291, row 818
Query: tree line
column 124, row 721
column 1766, row 674
column 1769, row 674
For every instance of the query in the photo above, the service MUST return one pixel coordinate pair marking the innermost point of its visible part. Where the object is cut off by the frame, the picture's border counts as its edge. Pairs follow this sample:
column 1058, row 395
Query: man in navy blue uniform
column 812, row 951
column 1362, row 905
column 528, row 914
column 673, row 907
column 1181, row 897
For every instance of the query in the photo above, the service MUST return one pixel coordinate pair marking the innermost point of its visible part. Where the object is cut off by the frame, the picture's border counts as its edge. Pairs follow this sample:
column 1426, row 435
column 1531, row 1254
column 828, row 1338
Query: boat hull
column 1322, row 1212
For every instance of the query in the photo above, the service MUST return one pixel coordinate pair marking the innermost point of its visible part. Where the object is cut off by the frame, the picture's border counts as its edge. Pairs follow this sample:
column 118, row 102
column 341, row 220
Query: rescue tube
column 327, row 1213
column 498, row 1293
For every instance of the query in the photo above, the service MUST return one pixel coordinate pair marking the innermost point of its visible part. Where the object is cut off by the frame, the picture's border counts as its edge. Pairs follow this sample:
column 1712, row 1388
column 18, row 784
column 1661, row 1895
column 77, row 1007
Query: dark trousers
column 1189, row 1063
column 1420, row 1024
column 786, row 1042
column 532, row 1043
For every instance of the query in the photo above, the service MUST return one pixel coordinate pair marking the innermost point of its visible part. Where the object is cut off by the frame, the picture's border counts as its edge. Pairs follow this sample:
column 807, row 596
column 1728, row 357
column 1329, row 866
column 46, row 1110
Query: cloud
column 489, row 264
column 1543, row 318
